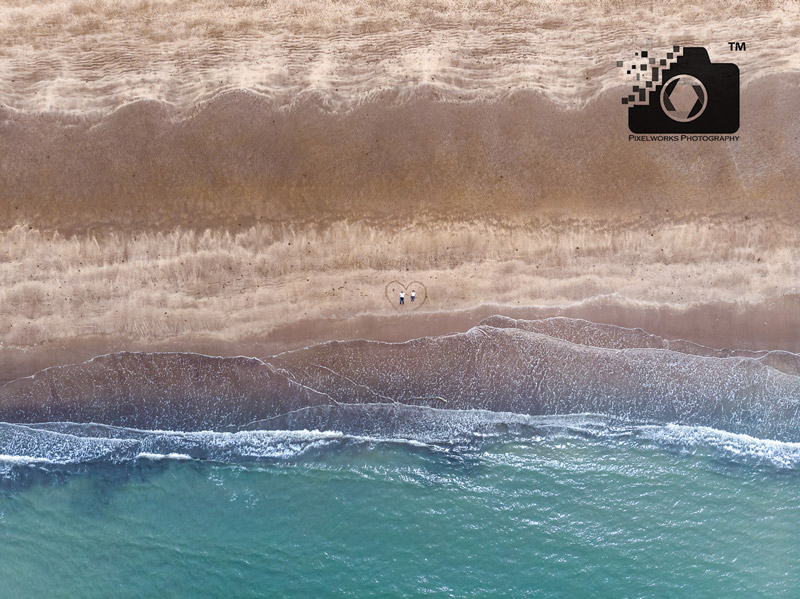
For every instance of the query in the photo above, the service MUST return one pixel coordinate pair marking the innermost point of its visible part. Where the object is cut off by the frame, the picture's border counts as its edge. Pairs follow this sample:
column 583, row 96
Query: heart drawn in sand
column 392, row 294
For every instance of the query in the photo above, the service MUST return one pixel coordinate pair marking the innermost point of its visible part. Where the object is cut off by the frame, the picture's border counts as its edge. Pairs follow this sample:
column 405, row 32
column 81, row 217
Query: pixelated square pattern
column 656, row 67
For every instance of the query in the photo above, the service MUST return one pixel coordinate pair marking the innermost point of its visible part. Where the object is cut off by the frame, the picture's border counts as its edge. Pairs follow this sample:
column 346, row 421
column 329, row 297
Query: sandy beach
column 209, row 386
column 248, row 179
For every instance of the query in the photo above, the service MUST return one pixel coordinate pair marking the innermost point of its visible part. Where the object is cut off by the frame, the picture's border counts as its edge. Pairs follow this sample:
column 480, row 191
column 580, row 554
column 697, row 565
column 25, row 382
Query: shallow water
column 505, row 506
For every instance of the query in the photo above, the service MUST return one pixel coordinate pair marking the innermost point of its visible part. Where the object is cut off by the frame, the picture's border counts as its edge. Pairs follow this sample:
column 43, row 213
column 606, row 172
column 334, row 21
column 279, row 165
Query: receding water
column 578, row 506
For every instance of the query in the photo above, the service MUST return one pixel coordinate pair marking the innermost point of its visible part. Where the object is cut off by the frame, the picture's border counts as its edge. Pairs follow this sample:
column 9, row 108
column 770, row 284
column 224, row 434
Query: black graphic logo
column 683, row 93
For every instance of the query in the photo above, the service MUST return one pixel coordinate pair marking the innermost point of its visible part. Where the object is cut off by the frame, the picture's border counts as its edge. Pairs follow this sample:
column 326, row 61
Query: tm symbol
column 737, row 46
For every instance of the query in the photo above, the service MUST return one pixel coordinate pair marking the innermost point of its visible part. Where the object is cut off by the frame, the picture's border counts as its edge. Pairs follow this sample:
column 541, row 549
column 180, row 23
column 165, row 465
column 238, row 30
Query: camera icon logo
column 683, row 93
column 683, row 98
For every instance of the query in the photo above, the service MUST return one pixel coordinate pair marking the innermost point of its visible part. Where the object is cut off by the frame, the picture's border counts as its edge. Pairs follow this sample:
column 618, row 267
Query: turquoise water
column 552, row 509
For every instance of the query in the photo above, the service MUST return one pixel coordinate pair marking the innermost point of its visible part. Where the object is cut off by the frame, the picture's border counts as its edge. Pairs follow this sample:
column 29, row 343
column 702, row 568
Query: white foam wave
column 784, row 454
column 24, row 460
column 22, row 446
column 162, row 456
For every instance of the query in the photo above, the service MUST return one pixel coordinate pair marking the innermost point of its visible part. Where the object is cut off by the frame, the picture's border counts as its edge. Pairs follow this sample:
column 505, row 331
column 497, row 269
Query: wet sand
column 726, row 326
column 240, row 160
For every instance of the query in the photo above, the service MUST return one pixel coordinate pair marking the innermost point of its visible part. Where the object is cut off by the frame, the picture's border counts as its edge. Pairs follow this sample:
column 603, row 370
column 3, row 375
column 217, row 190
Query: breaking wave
column 64, row 448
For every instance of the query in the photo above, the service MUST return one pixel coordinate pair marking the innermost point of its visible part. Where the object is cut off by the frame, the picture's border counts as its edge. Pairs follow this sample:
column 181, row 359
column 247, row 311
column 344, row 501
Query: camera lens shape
column 684, row 98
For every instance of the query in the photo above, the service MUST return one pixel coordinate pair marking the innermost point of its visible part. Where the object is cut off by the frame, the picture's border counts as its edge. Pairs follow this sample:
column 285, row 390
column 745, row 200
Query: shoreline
column 722, row 327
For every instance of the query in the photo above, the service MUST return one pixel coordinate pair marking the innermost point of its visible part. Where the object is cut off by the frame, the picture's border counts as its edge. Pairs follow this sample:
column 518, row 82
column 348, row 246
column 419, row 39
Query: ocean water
column 486, row 506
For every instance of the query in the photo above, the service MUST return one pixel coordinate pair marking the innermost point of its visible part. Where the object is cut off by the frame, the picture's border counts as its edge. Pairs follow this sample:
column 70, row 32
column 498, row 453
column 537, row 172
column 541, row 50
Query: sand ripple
column 81, row 56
